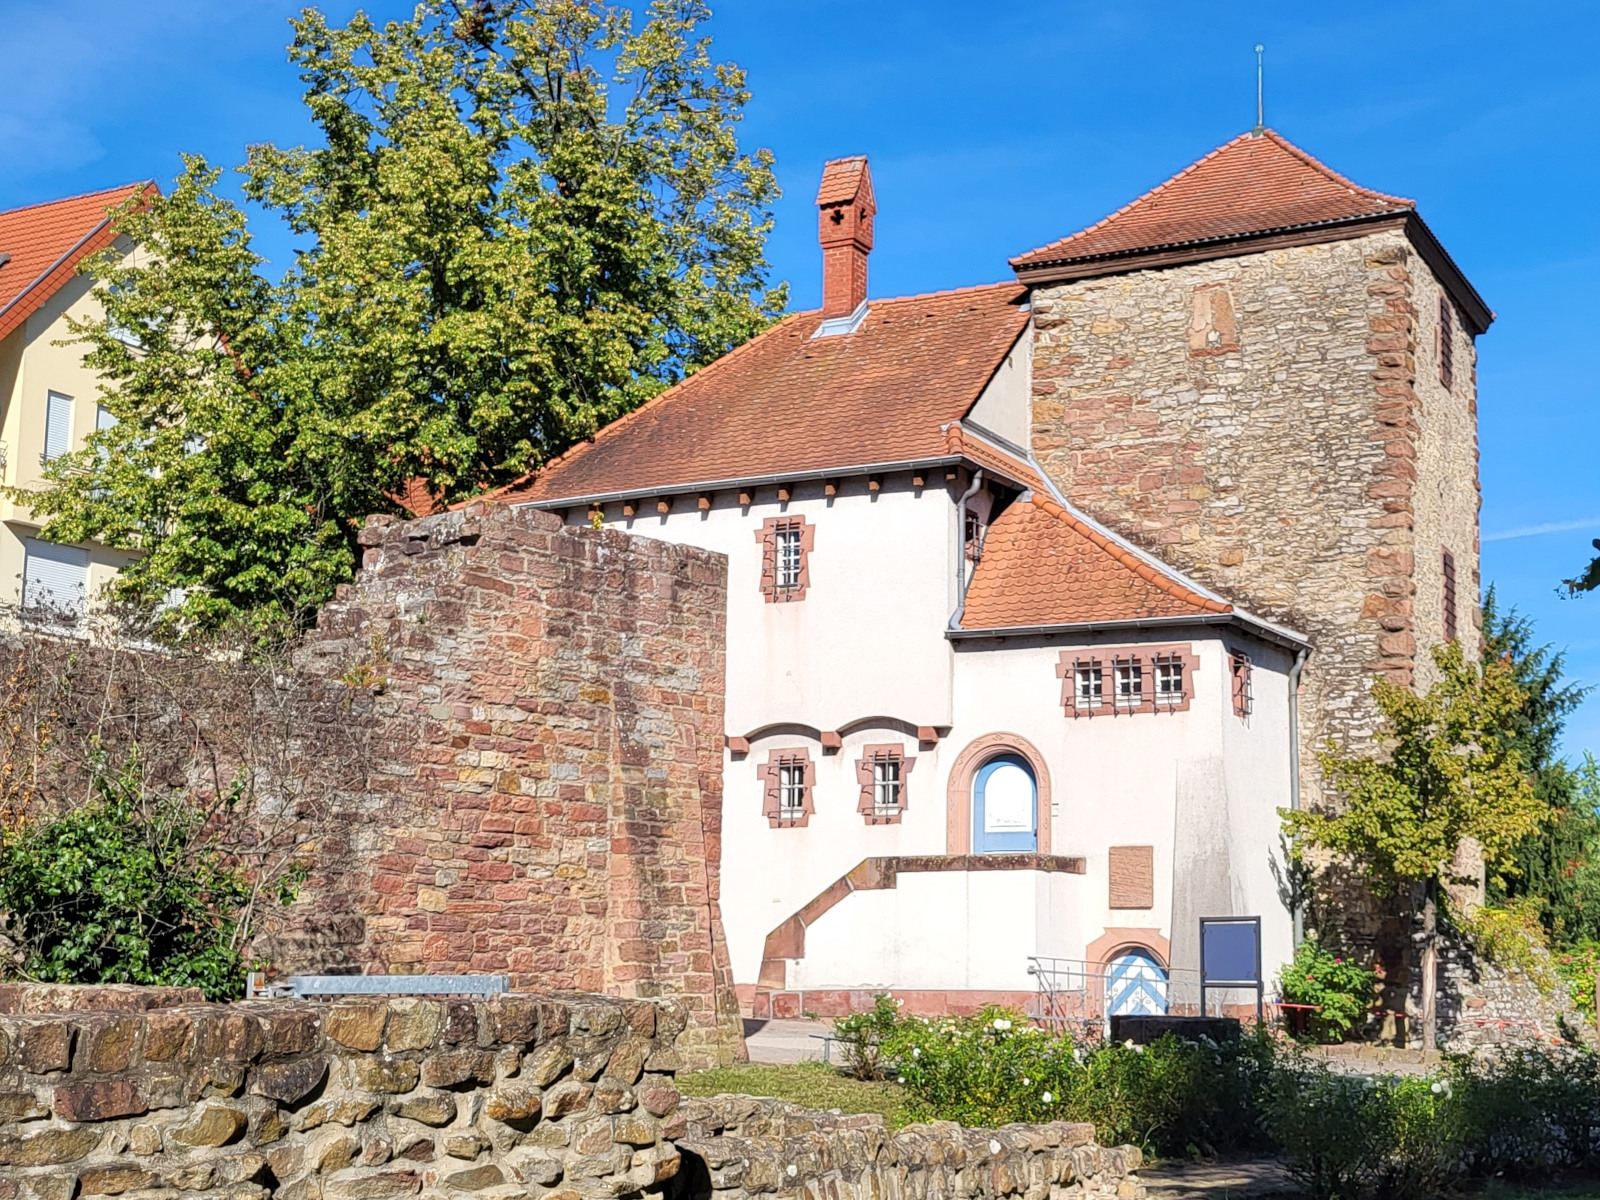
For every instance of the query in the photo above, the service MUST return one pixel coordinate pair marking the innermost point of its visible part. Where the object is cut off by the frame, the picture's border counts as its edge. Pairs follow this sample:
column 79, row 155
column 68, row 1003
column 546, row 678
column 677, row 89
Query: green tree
column 1557, row 866
column 1590, row 579
column 525, row 219
column 1444, row 774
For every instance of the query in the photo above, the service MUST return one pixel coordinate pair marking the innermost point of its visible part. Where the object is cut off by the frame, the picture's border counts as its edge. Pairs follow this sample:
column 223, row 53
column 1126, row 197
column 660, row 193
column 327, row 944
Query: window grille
column 1129, row 677
column 1088, row 689
column 1447, row 344
column 1168, row 671
column 791, row 790
column 1239, row 675
column 972, row 534
column 1449, row 564
column 788, row 559
column 885, row 785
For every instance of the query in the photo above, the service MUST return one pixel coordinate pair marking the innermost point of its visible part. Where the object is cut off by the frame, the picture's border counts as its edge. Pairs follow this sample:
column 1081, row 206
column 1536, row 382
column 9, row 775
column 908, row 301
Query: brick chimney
column 844, row 227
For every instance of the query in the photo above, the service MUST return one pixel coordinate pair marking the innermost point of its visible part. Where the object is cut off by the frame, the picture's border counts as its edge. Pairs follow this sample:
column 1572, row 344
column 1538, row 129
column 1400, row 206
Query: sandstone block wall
column 558, row 1096
column 1274, row 425
column 547, row 706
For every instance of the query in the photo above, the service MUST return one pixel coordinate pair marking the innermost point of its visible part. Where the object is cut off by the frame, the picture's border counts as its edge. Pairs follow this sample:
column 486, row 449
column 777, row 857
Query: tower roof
column 1257, row 192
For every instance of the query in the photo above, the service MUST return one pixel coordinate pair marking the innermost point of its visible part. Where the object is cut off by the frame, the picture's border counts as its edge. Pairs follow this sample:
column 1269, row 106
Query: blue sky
column 999, row 126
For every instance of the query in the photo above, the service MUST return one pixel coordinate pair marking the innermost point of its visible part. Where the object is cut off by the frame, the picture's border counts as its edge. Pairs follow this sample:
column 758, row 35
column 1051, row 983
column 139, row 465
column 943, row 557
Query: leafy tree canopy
column 1590, row 579
column 1445, row 774
column 527, row 217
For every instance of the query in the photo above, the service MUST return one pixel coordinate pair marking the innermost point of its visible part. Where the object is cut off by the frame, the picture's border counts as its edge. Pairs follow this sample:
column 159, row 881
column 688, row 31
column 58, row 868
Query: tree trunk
column 1430, row 966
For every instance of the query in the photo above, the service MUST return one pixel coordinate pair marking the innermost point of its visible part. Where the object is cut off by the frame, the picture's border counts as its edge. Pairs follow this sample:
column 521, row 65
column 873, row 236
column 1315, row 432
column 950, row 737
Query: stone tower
column 1264, row 373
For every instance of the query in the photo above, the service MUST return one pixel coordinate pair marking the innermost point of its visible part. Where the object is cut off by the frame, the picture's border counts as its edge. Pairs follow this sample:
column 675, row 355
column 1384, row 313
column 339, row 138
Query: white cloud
column 1524, row 531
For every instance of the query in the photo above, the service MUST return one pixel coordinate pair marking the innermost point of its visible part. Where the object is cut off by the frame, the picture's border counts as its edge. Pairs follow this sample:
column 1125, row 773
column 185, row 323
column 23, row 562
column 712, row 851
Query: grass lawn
column 813, row 1084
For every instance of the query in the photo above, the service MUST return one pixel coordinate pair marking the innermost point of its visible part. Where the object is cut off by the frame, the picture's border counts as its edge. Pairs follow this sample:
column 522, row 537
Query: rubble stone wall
column 545, row 797
column 560, row 1096
column 740, row 1146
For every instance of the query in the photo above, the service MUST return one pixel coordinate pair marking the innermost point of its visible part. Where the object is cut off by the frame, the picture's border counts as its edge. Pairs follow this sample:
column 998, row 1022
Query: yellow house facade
column 50, row 401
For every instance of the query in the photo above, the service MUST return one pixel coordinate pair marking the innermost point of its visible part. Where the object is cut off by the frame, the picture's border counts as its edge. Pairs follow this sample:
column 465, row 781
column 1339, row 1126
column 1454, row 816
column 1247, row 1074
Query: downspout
column 1294, row 768
column 961, row 538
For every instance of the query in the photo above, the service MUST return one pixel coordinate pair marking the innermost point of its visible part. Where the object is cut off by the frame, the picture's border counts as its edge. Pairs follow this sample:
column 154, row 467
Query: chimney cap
column 844, row 181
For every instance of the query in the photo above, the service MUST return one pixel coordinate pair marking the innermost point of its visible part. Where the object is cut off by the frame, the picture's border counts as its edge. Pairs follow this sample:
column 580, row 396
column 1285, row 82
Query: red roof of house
column 1042, row 565
column 787, row 403
column 1255, row 184
column 842, row 179
column 46, row 243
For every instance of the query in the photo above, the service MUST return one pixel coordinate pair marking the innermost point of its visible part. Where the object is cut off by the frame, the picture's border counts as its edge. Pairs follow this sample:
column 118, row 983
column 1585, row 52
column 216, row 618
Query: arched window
column 1005, row 807
column 1136, row 984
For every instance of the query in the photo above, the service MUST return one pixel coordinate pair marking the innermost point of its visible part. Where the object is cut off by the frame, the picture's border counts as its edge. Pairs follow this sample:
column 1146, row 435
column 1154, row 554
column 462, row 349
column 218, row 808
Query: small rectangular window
column 103, row 418
column 791, row 790
column 1129, row 677
column 1168, row 671
column 1239, row 676
column 1447, row 343
column 1449, row 606
column 57, row 426
column 886, row 786
column 1088, row 686
column 788, row 559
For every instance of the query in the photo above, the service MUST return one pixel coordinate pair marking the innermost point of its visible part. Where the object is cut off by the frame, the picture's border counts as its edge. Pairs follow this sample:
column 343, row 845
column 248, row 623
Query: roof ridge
column 1312, row 160
column 1140, row 198
column 121, row 187
column 1159, row 577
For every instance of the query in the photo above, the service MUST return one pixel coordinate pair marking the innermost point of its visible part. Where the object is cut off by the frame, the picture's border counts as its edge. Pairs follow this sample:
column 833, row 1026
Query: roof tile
column 1042, row 565
column 1254, row 184
column 46, row 243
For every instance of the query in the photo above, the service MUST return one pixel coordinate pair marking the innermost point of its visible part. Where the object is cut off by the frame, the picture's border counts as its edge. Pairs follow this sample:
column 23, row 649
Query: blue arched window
column 1005, row 807
column 1136, row 985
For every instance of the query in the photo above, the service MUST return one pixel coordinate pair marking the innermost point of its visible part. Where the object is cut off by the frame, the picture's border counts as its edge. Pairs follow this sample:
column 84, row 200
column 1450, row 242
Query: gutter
column 1268, row 632
column 1294, row 768
column 755, row 481
column 961, row 538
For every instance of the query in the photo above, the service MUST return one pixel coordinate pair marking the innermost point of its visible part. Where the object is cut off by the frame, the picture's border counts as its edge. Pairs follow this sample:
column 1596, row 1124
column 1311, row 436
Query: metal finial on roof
column 1261, row 120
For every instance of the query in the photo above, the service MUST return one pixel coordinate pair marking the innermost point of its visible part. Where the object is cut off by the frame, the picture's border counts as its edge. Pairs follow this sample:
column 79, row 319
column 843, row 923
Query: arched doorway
column 1136, row 984
column 1005, row 807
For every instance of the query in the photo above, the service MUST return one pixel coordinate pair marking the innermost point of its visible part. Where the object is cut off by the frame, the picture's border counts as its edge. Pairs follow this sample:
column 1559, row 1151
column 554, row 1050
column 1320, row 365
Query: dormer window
column 785, row 553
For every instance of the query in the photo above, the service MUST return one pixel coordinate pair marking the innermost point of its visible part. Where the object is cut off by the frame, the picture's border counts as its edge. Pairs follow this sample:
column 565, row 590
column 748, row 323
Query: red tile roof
column 841, row 180
column 787, row 403
column 46, row 243
column 1042, row 565
column 1255, row 184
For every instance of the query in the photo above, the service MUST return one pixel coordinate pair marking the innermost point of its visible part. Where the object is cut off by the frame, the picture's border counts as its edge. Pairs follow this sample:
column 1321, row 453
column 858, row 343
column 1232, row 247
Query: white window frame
column 788, row 557
column 1129, row 676
column 1089, row 686
column 1168, row 670
column 887, row 780
column 51, row 450
column 791, row 790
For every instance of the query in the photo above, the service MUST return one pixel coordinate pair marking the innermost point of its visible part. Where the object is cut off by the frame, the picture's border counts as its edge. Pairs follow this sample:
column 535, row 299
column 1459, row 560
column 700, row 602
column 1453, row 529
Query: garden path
column 1242, row 1179
column 787, row 1041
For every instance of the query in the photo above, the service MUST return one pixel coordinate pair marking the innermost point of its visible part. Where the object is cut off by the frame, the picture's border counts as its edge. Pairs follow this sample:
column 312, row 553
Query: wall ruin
column 544, row 799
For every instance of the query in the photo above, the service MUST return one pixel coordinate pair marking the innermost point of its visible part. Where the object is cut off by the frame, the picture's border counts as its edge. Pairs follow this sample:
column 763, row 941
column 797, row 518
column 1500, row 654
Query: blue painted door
column 1136, row 986
column 1005, row 807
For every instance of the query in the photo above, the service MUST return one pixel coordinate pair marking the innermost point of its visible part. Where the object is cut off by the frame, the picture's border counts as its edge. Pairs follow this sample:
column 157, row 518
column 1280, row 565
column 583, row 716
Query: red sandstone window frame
column 866, row 775
column 1239, row 678
column 1144, row 663
column 771, row 774
column 776, row 590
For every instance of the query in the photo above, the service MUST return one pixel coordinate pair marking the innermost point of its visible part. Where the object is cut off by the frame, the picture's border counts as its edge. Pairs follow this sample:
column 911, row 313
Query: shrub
column 121, row 891
column 1578, row 966
column 1511, row 937
column 990, row 1069
column 1339, row 990
column 861, row 1037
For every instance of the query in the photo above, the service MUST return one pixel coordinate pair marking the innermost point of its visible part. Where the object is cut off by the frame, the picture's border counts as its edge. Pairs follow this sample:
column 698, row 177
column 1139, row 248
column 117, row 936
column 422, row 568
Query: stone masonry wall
column 1273, row 425
column 546, row 796
column 532, row 1097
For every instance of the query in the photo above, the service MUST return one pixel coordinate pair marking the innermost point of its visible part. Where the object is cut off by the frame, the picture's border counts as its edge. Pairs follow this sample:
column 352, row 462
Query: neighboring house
column 1025, row 578
column 50, row 399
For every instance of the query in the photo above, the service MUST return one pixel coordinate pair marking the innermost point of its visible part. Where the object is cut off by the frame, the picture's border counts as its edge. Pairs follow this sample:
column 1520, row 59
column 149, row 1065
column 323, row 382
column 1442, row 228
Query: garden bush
column 1339, row 991
column 1578, row 966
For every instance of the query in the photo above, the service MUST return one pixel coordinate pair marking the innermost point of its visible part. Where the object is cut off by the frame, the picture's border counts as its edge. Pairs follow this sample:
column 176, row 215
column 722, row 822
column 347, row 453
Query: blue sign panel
column 1230, row 951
